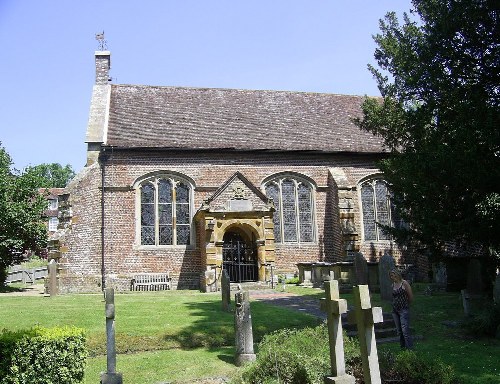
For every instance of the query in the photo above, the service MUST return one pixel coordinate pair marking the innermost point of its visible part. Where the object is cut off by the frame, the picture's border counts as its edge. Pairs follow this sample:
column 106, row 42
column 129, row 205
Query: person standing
column 402, row 296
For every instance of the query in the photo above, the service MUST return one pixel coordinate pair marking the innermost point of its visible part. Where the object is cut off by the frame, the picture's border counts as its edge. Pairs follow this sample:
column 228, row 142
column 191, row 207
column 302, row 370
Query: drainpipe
column 103, row 157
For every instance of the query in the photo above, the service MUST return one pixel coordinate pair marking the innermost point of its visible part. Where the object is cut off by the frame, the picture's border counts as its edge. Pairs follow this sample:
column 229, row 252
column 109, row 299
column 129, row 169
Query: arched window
column 294, row 216
column 377, row 210
column 165, row 211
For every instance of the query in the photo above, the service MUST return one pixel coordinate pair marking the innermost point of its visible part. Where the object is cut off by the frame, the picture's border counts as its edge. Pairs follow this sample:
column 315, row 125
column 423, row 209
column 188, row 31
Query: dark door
column 239, row 258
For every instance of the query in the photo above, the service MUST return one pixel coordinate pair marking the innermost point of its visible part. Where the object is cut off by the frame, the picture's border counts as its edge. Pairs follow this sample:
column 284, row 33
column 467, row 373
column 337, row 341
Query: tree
column 52, row 175
column 439, row 114
column 21, row 208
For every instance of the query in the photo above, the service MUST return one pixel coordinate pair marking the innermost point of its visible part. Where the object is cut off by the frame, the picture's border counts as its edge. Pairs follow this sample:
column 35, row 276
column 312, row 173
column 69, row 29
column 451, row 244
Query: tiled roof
column 200, row 118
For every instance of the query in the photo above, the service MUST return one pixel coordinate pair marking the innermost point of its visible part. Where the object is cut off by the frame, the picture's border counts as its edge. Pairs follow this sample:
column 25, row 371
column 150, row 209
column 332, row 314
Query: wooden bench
column 151, row 282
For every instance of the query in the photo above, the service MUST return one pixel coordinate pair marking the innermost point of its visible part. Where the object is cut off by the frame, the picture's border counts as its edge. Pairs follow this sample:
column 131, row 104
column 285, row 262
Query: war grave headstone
column 385, row 265
column 365, row 316
column 243, row 329
column 334, row 306
column 110, row 376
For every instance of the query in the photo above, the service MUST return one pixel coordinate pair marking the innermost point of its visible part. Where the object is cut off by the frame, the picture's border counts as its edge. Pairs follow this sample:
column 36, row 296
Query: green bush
column 410, row 368
column 42, row 356
column 295, row 357
column 485, row 322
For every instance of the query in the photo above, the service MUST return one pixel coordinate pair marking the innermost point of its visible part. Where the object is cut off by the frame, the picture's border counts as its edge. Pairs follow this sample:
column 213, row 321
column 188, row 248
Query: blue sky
column 47, row 61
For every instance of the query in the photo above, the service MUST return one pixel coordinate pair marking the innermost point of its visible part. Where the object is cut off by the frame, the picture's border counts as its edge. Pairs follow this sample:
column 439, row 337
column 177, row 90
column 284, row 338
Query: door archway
column 239, row 257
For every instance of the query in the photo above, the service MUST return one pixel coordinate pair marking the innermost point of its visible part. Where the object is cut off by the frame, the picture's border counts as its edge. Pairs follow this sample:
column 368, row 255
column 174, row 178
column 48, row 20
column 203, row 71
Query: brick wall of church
column 209, row 171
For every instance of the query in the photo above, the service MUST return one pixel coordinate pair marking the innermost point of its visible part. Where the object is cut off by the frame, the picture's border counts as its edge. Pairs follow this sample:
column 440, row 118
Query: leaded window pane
column 164, row 191
column 165, row 214
column 182, row 213
column 272, row 192
column 147, row 235
column 368, row 212
column 289, row 211
column 165, row 235
column 157, row 213
column 382, row 204
column 147, row 214
column 305, row 213
column 183, row 234
column 182, row 194
column 147, row 194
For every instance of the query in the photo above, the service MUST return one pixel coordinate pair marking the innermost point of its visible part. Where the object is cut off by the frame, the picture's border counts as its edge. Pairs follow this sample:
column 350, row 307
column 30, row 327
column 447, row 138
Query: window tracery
column 165, row 211
column 294, row 215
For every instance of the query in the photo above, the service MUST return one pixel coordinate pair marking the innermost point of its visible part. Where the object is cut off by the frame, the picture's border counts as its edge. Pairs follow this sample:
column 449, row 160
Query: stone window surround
column 153, row 177
column 371, row 179
column 297, row 178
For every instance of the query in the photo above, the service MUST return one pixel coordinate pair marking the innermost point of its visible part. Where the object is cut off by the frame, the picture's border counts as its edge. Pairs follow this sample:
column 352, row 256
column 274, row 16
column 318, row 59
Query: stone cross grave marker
column 385, row 265
column 365, row 316
column 111, row 376
column 334, row 307
column 243, row 329
column 225, row 291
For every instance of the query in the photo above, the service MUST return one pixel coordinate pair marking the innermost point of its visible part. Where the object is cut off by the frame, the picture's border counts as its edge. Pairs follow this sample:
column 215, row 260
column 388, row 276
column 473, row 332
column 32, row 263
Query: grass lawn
column 179, row 336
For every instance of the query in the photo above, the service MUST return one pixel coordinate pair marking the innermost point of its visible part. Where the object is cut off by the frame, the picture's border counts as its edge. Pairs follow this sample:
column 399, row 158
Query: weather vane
column 103, row 44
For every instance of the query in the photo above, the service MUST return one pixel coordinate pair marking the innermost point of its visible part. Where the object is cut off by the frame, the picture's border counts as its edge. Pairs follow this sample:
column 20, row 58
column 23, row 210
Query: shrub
column 42, row 356
column 485, row 322
column 411, row 368
column 295, row 357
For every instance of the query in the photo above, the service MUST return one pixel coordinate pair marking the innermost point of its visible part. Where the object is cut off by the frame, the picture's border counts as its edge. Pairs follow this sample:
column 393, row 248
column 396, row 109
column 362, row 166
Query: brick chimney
column 102, row 66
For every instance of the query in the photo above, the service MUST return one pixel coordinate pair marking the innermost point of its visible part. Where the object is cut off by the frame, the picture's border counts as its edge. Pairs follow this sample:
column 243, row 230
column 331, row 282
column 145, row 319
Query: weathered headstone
column 385, row 265
column 334, row 306
column 53, row 289
column 474, row 277
column 440, row 275
column 365, row 316
column 225, row 291
column 496, row 289
column 360, row 269
column 243, row 329
column 465, row 301
column 110, row 376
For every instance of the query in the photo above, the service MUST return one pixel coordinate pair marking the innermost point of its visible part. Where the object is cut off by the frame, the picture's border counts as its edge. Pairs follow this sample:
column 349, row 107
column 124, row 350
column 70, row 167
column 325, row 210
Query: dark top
column 400, row 299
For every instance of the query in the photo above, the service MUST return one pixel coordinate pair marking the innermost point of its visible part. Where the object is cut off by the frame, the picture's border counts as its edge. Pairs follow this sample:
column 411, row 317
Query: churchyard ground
column 181, row 336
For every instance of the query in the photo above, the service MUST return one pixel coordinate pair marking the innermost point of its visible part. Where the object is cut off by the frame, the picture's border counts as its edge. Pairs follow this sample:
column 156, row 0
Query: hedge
column 42, row 356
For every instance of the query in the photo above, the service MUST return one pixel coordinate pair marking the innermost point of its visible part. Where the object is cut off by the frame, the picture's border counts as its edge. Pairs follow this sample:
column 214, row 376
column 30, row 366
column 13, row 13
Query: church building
column 193, row 181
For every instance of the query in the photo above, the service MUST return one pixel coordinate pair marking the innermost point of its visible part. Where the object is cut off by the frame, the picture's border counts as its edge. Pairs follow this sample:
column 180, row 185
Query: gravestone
column 365, row 316
column 474, row 277
column 334, row 307
column 385, row 265
column 243, row 329
column 53, row 289
column 225, row 291
column 496, row 289
column 360, row 269
column 110, row 376
column 465, row 302
column 440, row 275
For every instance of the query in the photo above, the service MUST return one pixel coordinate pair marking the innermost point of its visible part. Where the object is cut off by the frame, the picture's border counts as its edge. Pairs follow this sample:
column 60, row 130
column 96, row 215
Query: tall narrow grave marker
column 365, row 316
column 243, row 329
column 111, row 376
column 225, row 291
column 334, row 307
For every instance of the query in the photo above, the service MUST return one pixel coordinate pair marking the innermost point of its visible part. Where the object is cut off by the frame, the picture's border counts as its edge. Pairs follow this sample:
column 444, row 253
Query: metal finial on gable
column 103, row 44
